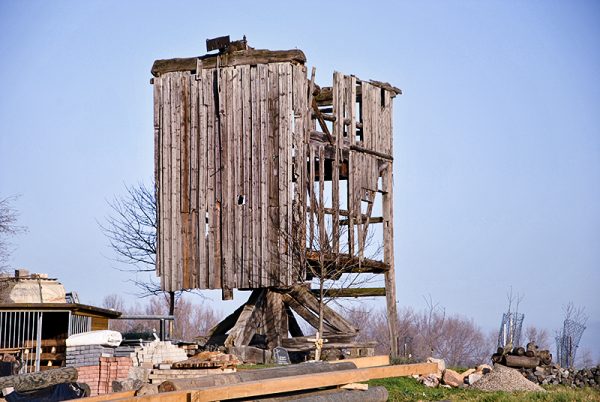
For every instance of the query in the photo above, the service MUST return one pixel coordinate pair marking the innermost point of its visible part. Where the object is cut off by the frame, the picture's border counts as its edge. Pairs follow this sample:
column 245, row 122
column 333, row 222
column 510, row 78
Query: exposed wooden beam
column 351, row 292
column 250, row 56
column 242, row 331
column 347, row 264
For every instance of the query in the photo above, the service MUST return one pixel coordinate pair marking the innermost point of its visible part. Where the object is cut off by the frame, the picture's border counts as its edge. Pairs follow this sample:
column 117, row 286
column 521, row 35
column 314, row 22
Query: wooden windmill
column 263, row 179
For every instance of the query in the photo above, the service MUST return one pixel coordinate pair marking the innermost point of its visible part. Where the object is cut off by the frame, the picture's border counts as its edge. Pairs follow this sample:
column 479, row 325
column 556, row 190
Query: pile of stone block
column 156, row 353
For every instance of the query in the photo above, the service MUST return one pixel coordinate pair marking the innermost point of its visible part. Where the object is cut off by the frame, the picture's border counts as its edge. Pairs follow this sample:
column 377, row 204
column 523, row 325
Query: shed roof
column 82, row 309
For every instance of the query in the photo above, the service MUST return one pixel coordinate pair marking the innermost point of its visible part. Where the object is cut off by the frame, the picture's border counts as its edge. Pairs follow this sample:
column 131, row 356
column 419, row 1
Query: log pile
column 520, row 357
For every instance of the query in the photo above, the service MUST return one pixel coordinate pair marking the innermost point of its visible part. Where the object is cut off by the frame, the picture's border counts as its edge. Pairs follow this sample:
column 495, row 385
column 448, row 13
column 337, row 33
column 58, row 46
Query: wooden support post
column 244, row 328
column 388, row 255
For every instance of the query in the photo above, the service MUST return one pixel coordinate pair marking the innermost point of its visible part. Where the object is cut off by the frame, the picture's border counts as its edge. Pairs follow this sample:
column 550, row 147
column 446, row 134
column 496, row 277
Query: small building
column 35, row 331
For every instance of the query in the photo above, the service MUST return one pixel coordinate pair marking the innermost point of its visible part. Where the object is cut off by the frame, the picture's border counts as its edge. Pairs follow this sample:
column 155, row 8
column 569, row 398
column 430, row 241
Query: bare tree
column 8, row 228
column 191, row 319
column 456, row 339
column 540, row 336
column 333, row 268
column 131, row 230
column 567, row 339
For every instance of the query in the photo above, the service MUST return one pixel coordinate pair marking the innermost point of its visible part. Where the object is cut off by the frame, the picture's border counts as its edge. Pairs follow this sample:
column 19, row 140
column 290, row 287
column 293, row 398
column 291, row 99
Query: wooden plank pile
column 52, row 353
column 317, row 381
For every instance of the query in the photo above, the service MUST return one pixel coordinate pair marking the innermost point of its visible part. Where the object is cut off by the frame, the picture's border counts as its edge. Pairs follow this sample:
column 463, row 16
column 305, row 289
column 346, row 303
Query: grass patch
column 408, row 389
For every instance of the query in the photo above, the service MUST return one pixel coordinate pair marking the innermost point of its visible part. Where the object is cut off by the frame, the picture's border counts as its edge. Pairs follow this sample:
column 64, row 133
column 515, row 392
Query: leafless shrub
column 426, row 333
column 191, row 319
column 8, row 228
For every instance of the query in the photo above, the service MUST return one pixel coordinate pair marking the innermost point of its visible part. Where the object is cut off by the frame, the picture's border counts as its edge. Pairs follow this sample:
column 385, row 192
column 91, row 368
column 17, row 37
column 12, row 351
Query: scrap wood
column 110, row 397
column 356, row 386
column 287, row 384
column 364, row 362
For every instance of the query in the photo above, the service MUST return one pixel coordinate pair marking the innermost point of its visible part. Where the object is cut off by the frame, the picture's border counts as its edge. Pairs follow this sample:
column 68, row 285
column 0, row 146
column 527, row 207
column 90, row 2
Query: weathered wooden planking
column 213, row 206
column 242, row 183
column 157, row 112
column 246, row 184
column 185, row 191
column 265, row 174
column 272, row 156
column 255, row 185
column 202, row 156
column 388, row 255
column 167, row 180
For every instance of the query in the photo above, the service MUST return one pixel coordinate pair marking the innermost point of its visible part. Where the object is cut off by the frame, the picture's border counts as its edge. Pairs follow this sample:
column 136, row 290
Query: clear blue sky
column 496, row 138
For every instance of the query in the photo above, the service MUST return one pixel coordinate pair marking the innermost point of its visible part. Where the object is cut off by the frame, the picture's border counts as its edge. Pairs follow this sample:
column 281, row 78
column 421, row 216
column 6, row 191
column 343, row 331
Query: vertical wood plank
column 227, row 177
column 246, row 155
column 388, row 255
column 282, row 170
column 323, row 239
column 351, row 104
column 184, row 192
column 338, row 133
column 214, row 205
column 300, row 171
column 255, row 175
column 194, row 178
column 157, row 109
column 266, row 174
column 313, row 201
column 275, row 173
column 176, row 182
column 203, row 266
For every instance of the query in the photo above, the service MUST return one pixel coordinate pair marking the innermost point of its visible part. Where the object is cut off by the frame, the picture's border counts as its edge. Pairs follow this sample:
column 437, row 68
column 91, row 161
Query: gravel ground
column 505, row 379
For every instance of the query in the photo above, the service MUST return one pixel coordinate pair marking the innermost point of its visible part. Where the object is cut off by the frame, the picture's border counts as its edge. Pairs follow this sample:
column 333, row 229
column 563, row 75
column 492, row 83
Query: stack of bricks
column 112, row 368
column 97, row 366
column 90, row 376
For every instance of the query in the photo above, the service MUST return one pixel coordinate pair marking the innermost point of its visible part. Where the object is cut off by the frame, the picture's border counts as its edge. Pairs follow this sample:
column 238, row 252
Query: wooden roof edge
column 387, row 86
column 242, row 57
column 74, row 307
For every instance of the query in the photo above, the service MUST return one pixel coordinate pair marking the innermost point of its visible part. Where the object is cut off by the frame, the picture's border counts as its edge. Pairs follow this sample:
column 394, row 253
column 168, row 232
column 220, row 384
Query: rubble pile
column 449, row 378
column 556, row 375
column 503, row 378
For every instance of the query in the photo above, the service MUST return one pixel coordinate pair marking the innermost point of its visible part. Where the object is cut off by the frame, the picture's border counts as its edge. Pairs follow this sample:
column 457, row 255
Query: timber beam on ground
column 285, row 384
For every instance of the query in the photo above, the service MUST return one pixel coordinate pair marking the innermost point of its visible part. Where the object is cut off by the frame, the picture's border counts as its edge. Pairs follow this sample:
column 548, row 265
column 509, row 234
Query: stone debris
column 503, row 378
column 430, row 380
column 452, row 378
column 556, row 375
